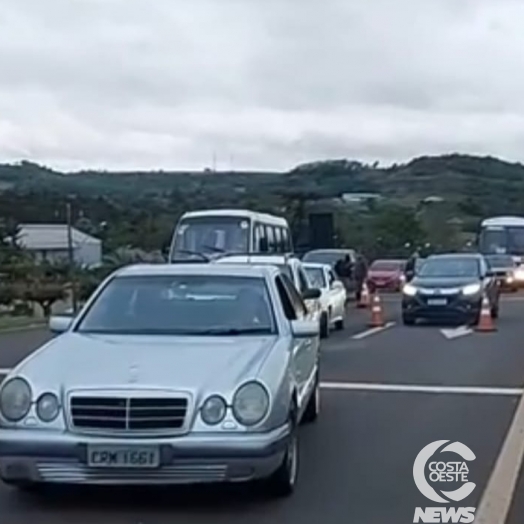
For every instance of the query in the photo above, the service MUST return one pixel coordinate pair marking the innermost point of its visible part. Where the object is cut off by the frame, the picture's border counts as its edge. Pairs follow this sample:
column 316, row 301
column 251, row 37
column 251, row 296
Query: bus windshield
column 209, row 235
column 502, row 240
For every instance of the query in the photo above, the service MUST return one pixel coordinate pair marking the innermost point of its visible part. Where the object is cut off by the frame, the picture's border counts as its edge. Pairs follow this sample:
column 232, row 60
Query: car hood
column 443, row 283
column 75, row 360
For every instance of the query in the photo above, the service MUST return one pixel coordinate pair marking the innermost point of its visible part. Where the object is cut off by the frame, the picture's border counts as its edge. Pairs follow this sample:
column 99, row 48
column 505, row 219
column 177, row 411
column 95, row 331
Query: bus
column 502, row 235
column 203, row 235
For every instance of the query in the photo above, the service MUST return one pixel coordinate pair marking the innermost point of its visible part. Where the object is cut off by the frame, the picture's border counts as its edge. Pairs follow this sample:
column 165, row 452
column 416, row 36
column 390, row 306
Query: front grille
column 138, row 414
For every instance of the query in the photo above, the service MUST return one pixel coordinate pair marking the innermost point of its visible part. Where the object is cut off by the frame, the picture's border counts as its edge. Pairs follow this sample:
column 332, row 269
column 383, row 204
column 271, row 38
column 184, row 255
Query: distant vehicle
column 506, row 271
column 170, row 374
column 289, row 265
column 333, row 298
column 331, row 257
column 200, row 235
column 386, row 275
column 502, row 235
column 450, row 287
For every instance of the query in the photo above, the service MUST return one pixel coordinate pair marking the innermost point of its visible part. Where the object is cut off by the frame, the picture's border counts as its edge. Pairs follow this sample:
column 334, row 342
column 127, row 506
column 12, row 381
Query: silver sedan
column 170, row 374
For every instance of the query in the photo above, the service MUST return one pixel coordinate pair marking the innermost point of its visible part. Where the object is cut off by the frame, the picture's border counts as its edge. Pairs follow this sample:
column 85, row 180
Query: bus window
column 279, row 248
column 270, row 239
column 286, row 241
column 211, row 234
column 262, row 246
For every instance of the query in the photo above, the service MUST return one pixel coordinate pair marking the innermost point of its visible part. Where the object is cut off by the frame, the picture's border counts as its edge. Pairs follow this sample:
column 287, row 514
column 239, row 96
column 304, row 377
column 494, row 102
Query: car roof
column 253, row 259
column 473, row 256
column 334, row 250
column 316, row 265
column 232, row 270
column 391, row 260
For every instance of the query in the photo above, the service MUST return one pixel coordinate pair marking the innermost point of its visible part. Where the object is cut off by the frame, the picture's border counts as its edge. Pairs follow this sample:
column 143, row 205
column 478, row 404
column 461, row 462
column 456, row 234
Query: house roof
column 51, row 236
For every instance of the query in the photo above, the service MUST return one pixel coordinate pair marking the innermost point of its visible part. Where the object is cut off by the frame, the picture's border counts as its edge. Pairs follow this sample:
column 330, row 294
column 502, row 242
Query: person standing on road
column 411, row 265
column 361, row 272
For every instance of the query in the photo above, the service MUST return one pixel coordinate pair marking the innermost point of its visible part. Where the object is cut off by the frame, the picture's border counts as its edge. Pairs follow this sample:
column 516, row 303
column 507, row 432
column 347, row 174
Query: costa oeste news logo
column 440, row 471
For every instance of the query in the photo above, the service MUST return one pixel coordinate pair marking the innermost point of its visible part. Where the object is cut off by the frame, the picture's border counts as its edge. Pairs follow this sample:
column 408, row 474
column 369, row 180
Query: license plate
column 437, row 302
column 123, row 457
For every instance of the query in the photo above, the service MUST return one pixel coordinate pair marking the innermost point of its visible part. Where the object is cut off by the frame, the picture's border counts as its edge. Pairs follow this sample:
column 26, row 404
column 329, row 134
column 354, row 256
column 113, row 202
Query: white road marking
column 497, row 497
column 372, row 331
column 4, row 371
column 457, row 332
column 412, row 388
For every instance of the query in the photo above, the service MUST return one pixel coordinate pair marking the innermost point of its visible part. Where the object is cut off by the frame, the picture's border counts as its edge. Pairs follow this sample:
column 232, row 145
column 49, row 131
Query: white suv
column 289, row 265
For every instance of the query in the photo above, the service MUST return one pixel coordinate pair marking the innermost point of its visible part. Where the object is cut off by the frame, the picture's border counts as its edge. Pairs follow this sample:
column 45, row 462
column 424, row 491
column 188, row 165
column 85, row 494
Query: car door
column 337, row 294
column 305, row 350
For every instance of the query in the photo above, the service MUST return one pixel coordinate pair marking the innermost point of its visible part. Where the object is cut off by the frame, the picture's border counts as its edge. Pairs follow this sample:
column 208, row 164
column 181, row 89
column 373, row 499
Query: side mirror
column 305, row 328
column 311, row 293
column 60, row 323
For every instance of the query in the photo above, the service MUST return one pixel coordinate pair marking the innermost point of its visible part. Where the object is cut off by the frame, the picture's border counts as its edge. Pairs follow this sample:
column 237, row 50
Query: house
column 50, row 242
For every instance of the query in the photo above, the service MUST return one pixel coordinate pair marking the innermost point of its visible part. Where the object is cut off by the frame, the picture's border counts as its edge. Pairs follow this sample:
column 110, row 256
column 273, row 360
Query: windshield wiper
column 235, row 331
column 214, row 249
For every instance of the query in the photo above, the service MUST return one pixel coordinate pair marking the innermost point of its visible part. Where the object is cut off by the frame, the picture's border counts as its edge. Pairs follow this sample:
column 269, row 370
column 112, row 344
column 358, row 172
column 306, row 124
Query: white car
column 291, row 266
column 333, row 297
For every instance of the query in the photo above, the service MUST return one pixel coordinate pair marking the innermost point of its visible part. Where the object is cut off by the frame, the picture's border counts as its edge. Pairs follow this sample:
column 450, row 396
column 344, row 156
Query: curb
column 28, row 327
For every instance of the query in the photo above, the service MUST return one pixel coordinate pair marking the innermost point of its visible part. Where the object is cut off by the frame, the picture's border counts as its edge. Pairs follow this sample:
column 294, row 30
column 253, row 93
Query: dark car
column 330, row 257
column 450, row 288
column 504, row 268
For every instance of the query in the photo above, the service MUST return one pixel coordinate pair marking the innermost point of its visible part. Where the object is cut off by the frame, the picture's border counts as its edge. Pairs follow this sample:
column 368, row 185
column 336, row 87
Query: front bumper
column 33, row 456
column 457, row 307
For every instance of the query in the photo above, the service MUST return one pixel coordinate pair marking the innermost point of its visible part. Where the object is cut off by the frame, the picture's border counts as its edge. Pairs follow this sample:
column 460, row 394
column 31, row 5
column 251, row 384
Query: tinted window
column 450, row 267
column 303, row 281
column 278, row 240
column 316, row 277
column 270, row 239
column 194, row 305
column 493, row 240
column 211, row 235
column 286, row 241
column 324, row 257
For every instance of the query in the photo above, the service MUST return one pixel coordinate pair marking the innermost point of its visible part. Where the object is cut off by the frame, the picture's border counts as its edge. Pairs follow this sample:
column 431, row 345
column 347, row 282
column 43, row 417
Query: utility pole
column 71, row 256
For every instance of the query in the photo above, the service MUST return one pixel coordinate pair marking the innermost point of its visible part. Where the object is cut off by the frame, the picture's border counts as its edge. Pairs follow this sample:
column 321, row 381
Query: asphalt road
column 387, row 394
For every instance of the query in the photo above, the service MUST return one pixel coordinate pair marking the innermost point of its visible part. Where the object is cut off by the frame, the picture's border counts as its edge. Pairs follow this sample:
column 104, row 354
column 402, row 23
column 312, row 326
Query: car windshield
column 316, row 277
column 500, row 261
column 450, row 267
column 181, row 305
column 386, row 265
column 210, row 235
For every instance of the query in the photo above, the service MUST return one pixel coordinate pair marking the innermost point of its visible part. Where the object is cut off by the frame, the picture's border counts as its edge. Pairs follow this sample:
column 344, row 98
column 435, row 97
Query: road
column 386, row 395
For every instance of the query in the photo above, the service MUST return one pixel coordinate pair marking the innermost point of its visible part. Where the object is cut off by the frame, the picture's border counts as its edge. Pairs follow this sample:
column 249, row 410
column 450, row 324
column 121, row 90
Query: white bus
column 217, row 231
column 502, row 235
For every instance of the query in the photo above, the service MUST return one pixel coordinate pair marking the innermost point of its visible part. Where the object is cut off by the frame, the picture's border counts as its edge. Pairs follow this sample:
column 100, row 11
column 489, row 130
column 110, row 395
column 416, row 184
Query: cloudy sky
column 262, row 84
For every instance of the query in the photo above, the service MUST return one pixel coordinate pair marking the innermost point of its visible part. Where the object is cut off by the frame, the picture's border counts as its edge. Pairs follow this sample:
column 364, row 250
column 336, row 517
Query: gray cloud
column 266, row 83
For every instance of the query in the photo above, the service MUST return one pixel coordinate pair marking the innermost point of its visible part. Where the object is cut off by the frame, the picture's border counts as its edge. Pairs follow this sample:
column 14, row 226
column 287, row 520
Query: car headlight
column 213, row 410
column 519, row 274
column 471, row 289
column 15, row 399
column 47, row 407
column 409, row 290
column 250, row 404
column 509, row 279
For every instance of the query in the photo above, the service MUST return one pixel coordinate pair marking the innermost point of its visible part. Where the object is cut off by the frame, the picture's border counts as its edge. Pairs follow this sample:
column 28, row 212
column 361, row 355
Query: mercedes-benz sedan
column 170, row 374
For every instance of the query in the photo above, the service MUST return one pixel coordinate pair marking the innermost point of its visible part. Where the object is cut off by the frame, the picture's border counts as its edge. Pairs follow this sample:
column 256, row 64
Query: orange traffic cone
column 377, row 318
column 364, row 301
column 486, row 323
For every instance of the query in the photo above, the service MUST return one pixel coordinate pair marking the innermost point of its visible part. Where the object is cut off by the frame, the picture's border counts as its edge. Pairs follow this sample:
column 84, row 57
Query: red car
column 386, row 275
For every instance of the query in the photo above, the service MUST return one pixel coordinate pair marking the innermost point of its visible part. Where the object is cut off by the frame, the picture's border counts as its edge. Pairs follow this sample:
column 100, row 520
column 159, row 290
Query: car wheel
column 282, row 482
column 324, row 326
column 408, row 320
column 313, row 406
